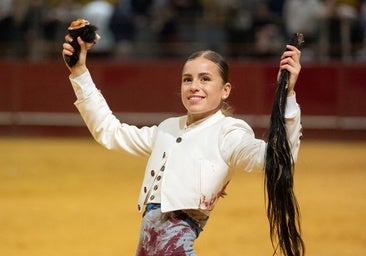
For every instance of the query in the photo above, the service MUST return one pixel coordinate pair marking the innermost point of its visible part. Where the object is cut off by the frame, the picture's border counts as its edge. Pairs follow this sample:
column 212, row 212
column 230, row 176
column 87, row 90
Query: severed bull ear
column 87, row 33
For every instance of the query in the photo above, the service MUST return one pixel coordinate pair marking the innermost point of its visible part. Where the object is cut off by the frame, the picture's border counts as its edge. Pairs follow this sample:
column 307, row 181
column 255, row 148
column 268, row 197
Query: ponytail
column 282, row 207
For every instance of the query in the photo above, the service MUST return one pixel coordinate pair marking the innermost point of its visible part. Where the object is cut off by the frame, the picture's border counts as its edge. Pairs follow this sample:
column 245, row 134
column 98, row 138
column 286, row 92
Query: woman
column 190, row 157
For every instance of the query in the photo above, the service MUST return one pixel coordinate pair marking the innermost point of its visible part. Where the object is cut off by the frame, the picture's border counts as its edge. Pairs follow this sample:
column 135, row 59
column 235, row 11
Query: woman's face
column 202, row 88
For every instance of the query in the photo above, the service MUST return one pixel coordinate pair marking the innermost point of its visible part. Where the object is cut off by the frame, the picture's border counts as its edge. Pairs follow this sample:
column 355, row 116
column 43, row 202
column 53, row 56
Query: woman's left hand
column 290, row 61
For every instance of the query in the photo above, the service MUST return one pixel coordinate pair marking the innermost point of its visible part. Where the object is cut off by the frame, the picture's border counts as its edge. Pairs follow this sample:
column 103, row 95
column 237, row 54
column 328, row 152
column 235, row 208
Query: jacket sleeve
column 293, row 125
column 239, row 147
column 104, row 126
column 242, row 150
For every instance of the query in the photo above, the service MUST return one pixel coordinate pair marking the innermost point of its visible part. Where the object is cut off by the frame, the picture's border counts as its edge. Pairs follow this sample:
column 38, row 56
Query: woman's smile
column 194, row 99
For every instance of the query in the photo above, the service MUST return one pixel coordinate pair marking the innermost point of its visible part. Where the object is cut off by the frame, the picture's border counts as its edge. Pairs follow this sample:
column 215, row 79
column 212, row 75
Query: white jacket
column 198, row 160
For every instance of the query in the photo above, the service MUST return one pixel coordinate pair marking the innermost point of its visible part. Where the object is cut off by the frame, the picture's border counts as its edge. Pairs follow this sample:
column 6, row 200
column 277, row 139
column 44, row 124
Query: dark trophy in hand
column 86, row 31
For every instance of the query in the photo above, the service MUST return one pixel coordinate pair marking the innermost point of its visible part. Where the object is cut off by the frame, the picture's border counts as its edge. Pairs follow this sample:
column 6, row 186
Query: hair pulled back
column 223, row 67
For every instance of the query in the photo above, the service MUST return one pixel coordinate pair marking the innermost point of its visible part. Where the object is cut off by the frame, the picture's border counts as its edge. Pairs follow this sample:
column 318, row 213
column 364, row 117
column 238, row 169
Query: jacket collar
column 208, row 121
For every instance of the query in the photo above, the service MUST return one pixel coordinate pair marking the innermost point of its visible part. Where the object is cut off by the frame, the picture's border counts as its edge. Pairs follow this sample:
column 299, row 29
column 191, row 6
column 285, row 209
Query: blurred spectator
column 123, row 28
column 12, row 33
column 145, row 38
column 348, row 17
column 62, row 14
column 304, row 16
column 276, row 7
column 268, row 40
column 239, row 27
column 340, row 29
column 34, row 29
column 165, row 25
column 168, row 26
column 99, row 13
column 5, row 6
column 212, row 25
column 188, row 13
column 141, row 7
column 39, row 29
column 362, row 52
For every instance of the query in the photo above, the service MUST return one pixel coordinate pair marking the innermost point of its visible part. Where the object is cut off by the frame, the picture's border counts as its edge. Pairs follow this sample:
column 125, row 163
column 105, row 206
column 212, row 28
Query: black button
column 162, row 168
column 152, row 197
column 164, row 155
column 156, row 187
column 158, row 178
column 179, row 139
column 152, row 173
column 145, row 189
column 139, row 207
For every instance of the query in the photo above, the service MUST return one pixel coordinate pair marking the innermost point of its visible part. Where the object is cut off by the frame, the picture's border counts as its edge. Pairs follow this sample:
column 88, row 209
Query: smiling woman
column 191, row 157
column 205, row 85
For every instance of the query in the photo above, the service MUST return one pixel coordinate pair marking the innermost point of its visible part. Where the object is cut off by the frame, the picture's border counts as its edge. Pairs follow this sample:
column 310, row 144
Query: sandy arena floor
column 72, row 197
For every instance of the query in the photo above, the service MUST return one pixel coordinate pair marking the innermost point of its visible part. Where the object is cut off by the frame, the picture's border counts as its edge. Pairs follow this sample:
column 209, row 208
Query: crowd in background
column 145, row 29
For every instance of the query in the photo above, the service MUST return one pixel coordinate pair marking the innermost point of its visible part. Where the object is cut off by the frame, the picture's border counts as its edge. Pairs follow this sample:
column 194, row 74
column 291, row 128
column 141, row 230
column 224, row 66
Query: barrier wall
column 37, row 98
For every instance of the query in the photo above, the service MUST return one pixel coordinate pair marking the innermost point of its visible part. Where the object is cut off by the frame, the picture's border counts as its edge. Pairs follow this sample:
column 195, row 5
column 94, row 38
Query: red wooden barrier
column 332, row 93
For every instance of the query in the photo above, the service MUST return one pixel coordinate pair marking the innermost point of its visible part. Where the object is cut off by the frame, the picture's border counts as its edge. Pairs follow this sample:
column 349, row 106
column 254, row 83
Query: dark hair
column 215, row 58
column 221, row 63
column 283, row 210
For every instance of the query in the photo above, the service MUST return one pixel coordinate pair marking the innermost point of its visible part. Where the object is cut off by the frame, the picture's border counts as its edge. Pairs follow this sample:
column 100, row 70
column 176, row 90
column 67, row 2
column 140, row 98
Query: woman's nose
column 194, row 85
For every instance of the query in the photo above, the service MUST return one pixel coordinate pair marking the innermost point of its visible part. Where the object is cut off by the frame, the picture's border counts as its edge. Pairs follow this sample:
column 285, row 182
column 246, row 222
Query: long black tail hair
column 282, row 207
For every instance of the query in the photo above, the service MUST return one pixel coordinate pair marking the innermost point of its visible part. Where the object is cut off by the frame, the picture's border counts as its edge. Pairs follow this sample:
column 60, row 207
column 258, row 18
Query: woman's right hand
column 80, row 67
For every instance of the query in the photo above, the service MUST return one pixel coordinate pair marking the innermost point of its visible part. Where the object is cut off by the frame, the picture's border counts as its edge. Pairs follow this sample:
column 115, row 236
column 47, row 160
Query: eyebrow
column 200, row 74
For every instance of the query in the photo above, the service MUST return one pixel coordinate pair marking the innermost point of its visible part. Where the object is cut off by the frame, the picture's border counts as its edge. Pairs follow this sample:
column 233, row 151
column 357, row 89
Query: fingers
column 83, row 46
column 290, row 65
column 290, row 61
column 67, row 49
column 290, row 49
column 68, row 38
column 291, row 52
